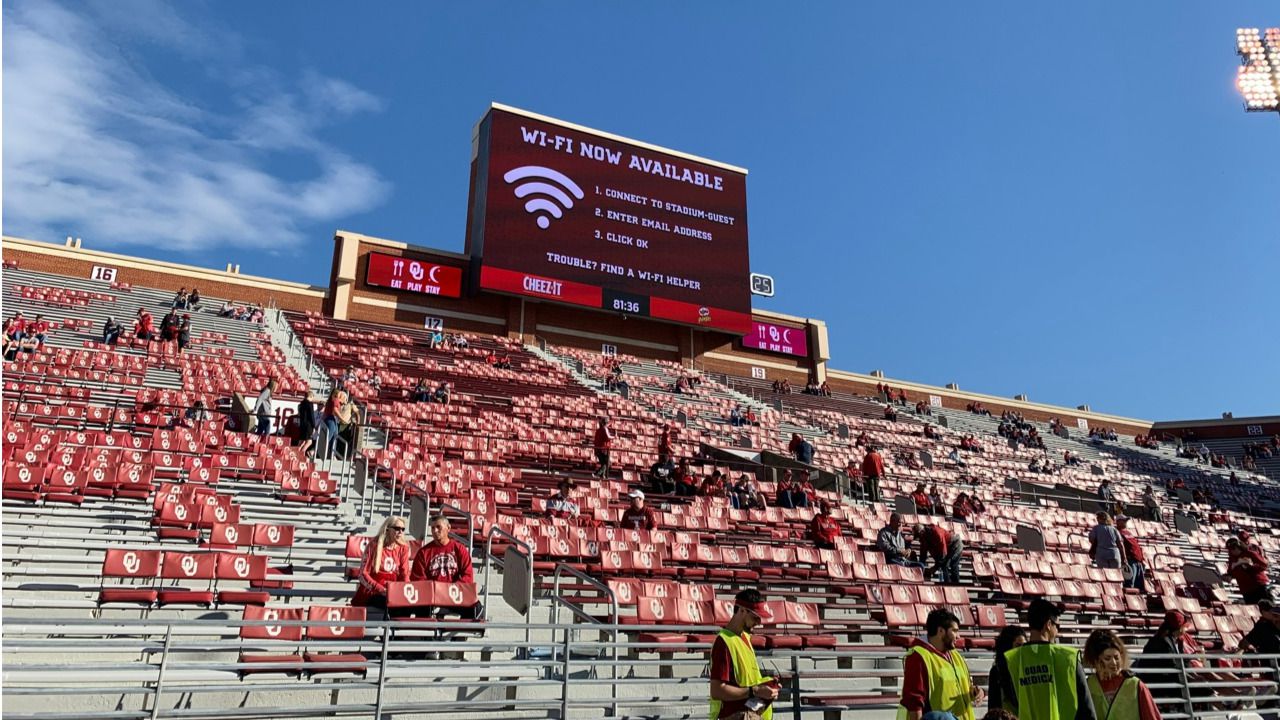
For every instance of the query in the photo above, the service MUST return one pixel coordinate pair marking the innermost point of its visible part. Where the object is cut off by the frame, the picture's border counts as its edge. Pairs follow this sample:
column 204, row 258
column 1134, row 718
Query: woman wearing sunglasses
column 387, row 559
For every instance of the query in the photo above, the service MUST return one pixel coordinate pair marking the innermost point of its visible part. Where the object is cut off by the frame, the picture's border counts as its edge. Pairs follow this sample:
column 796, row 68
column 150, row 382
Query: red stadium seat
column 247, row 568
column 335, row 662
column 137, row 565
column 187, row 566
column 288, row 630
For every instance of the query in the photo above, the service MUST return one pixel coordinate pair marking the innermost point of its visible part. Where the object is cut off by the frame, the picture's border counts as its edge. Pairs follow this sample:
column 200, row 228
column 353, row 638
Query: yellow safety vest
column 950, row 688
column 1123, row 707
column 1044, row 680
column 746, row 671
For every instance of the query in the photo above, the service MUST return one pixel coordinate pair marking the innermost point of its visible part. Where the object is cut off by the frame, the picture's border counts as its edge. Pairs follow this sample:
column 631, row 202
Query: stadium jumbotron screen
column 562, row 213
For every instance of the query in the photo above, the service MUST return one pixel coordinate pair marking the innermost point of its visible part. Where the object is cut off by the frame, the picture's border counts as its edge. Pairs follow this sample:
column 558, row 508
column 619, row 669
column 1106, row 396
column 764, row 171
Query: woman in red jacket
column 388, row 559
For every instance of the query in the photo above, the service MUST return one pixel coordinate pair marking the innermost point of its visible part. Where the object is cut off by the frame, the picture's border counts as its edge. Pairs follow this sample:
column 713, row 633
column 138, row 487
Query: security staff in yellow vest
column 1117, row 693
column 935, row 679
column 1041, row 680
column 737, row 687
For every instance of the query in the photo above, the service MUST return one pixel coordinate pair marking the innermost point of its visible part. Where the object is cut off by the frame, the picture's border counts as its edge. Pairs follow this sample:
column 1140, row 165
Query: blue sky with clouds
column 1064, row 199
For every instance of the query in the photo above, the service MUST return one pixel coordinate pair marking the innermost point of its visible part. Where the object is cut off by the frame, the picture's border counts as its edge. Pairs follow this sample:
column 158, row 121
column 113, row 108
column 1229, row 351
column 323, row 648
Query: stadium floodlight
column 1259, row 75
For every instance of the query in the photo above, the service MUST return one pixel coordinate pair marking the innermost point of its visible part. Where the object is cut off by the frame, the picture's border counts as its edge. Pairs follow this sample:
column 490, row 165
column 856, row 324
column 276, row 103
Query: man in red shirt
column 945, row 549
column 873, row 472
column 943, row 630
column 737, row 685
column 713, row 486
column 1132, row 551
column 921, row 499
column 664, row 443
column 144, row 325
column 825, row 528
column 445, row 560
column 37, row 329
column 602, row 441
column 1248, row 568
column 637, row 516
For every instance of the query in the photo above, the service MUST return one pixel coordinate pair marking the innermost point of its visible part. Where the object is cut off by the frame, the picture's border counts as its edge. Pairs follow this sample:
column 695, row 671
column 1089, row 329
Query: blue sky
column 1065, row 200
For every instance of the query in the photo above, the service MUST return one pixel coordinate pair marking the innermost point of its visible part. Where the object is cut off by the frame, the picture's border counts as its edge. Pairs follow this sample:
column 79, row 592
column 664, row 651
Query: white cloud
column 94, row 146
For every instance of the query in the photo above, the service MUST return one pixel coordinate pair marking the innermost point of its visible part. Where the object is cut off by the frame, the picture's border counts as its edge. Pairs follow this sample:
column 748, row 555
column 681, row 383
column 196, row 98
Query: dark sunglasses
column 398, row 528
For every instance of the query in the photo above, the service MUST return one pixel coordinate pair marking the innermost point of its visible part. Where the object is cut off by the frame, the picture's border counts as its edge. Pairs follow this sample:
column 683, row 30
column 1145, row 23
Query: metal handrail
column 495, row 531
column 580, row 613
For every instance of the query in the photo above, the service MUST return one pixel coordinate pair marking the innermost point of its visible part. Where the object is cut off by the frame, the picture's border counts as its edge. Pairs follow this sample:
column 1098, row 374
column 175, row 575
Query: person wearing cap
column 1247, row 566
column 825, row 528
column 1042, row 680
column 935, row 679
column 1137, row 575
column 561, row 505
column 946, row 549
column 737, row 686
column 1117, row 693
column 637, row 516
column 602, row 441
column 1264, row 638
column 1171, row 639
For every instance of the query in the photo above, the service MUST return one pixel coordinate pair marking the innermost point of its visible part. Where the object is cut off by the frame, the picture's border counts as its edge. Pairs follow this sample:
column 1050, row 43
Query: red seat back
column 287, row 629
column 187, row 566
column 265, row 535
column 131, row 563
column 241, row 566
column 335, row 613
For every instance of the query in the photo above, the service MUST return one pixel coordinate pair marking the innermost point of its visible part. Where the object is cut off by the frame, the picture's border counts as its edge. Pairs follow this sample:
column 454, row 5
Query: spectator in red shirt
column 602, row 441
column 732, row 687
column 873, row 472
column 686, row 483
column 1248, row 568
column 825, row 528
column 385, row 560
column 945, row 549
column 15, row 326
column 144, row 325
column 637, row 516
column 713, row 486
column 810, row 492
column 38, row 329
column 921, row 499
column 1137, row 575
column 445, row 560
column 664, row 443
column 943, row 630
column 962, row 508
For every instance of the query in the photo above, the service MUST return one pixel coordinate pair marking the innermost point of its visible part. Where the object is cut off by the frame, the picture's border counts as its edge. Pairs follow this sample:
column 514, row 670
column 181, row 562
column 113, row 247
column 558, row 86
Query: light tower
column 1259, row 74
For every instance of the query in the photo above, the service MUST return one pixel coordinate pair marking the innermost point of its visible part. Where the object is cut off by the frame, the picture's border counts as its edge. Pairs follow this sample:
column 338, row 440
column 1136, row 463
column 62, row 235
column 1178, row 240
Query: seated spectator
column 962, row 508
column 787, row 490
column 662, row 477
column 491, row 358
column 38, row 329
column 753, row 499
column 894, row 546
column 181, row 300
column 169, row 326
column 197, row 413
column 929, row 432
column 193, row 302
column 385, row 560
column 504, row 362
column 228, row 309
column 1264, row 638
column 956, row 459
column 785, row 387
column 1151, row 504
column 143, row 325
column 421, row 391
column 257, row 315
column 936, row 506
column 810, row 492
column 15, row 326
column 921, row 499
column 825, row 528
column 442, row 394
column 735, row 416
column 637, row 516
column 944, row 548
column 824, row 389
column 1171, row 640
column 445, row 560
column 713, row 485
column 890, row 414
column 460, row 342
column 560, row 505
column 8, row 347
column 686, row 484
column 1106, row 547
column 751, row 417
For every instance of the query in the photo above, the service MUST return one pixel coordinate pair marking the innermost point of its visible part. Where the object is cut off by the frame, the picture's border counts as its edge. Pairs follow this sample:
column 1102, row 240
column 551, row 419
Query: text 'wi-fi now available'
column 548, row 199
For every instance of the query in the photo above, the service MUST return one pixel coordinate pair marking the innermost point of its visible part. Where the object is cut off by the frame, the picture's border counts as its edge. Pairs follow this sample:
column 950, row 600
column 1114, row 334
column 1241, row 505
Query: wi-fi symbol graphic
column 533, row 180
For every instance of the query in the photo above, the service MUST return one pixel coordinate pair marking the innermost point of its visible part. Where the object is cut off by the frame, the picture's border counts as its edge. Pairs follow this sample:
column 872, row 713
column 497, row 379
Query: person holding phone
column 738, row 690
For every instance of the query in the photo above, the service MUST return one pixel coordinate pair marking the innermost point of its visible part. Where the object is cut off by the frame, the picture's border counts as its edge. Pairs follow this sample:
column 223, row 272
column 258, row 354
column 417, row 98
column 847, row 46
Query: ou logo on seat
column 802, row 613
column 242, row 567
column 232, row 535
column 131, row 562
column 655, row 607
column 272, row 630
column 180, row 512
column 695, row 612
column 273, row 534
column 220, row 513
column 624, row 592
column 455, row 594
column 411, row 594
column 189, row 565
column 335, row 615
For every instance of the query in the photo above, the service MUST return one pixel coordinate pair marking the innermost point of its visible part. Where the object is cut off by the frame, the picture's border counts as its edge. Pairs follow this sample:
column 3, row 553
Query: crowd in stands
column 1014, row 427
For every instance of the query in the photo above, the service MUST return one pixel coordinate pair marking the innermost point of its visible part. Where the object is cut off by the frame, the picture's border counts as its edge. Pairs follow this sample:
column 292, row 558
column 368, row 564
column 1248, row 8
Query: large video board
column 564, row 213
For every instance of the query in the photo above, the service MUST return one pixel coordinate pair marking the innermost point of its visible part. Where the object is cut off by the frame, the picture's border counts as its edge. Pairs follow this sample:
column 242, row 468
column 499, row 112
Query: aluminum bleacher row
column 162, row 569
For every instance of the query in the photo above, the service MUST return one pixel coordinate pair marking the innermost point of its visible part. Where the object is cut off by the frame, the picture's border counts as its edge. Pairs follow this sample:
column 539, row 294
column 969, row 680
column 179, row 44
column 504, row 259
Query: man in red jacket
column 445, row 560
column 144, row 325
column 1133, row 552
column 872, row 472
column 825, row 528
column 1248, row 568
column 602, row 441
column 945, row 549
